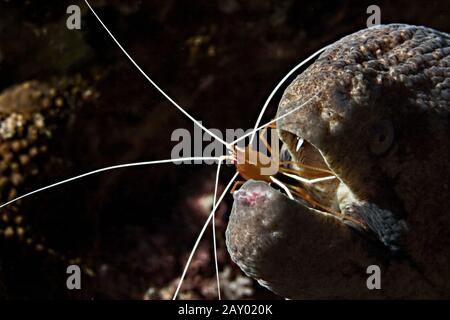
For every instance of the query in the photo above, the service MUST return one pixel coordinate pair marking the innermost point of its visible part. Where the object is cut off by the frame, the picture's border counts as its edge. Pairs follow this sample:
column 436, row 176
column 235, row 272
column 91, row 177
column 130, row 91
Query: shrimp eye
column 382, row 137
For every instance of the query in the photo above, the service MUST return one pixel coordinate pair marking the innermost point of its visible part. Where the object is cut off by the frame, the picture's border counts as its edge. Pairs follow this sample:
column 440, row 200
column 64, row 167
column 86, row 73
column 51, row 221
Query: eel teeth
column 299, row 143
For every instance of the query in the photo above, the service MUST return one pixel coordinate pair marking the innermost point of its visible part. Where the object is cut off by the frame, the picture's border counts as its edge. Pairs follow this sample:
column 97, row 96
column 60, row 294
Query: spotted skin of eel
column 31, row 115
column 381, row 122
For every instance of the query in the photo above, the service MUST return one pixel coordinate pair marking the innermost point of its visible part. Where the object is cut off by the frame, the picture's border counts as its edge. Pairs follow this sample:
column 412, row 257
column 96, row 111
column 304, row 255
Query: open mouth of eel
column 304, row 176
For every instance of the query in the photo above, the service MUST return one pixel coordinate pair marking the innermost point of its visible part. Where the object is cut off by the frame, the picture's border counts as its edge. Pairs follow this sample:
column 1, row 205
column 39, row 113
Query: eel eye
column 382, row 137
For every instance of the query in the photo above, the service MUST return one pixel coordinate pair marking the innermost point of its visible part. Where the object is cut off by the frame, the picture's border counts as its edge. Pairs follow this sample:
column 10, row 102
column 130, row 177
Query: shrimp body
column 249, row 163
column 293, row 178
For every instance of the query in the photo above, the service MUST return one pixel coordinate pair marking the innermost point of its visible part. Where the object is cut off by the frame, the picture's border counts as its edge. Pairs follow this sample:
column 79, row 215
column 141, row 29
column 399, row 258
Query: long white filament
column 274, row 91
column 276, row 119
column 308, row 181
column 119, row 166
column 216, row 264
column 281, row 184
column 153, row 83
column 199, row 238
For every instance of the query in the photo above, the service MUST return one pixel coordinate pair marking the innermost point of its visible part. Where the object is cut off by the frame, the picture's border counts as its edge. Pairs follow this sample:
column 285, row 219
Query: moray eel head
column 380, row 124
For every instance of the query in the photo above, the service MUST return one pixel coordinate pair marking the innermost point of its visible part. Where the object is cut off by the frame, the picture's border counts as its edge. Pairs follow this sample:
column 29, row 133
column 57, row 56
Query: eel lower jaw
column 274, row 239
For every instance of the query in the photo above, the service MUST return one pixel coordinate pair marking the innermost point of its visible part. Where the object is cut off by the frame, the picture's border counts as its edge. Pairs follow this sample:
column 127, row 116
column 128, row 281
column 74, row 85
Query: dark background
column 218, row 59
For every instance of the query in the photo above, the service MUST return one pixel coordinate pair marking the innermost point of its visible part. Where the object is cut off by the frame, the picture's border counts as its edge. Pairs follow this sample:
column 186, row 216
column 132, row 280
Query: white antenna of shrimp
column 200, row 236
column 213, row 222
column 119, row 166
column 251, row 133
column 274, row 91
column 153, row 83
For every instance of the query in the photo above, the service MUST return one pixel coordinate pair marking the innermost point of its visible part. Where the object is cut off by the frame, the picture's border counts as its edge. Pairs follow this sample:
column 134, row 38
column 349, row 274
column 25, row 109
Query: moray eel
column 381, row 124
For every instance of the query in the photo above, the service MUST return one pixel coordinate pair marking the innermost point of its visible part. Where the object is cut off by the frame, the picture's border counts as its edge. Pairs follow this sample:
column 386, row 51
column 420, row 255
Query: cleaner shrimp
column 300, row 181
